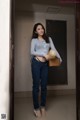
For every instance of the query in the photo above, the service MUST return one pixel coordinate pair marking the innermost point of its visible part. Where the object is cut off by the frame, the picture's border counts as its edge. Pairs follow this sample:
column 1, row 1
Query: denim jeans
column 40, row 77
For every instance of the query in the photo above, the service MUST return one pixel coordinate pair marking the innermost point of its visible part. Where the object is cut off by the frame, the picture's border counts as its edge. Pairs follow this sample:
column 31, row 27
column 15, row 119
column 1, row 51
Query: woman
column 40, row 46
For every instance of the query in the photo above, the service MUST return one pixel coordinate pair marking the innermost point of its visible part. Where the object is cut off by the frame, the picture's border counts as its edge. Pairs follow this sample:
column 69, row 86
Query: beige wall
column 4, row 57
column 23, row 31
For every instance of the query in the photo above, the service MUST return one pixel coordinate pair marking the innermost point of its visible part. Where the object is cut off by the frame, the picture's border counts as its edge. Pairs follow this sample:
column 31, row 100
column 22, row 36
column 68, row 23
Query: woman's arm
column 53, row 48
column 33, row 52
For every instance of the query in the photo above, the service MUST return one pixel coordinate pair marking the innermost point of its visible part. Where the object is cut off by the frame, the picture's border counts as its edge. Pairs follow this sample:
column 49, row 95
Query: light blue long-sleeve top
column 41, row 48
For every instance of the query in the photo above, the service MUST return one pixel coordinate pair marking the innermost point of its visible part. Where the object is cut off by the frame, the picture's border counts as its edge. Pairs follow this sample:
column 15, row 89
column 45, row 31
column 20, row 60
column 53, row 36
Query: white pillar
column 4, row 58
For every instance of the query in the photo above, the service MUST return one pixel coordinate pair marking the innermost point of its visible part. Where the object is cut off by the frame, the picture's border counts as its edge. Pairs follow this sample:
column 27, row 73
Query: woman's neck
column 40, row 37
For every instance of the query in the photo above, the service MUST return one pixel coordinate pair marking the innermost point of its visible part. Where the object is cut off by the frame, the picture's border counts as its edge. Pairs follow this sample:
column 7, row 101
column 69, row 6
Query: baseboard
column 49, row 93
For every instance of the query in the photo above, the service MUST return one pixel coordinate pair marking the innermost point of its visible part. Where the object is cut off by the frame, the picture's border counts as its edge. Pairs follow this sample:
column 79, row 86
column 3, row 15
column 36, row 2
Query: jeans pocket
column 34, row 61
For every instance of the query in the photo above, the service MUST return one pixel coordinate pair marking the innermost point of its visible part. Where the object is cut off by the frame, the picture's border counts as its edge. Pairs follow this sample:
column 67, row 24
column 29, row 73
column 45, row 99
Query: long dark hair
column 35, row 35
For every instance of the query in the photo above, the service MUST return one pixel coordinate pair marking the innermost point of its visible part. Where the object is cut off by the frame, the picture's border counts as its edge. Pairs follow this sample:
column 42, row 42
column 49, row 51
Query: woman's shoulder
column 34, row 39
column 50, row 39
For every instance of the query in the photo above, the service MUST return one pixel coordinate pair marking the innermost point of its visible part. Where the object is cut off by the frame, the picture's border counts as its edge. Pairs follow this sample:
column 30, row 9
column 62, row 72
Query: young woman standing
column 40, row 45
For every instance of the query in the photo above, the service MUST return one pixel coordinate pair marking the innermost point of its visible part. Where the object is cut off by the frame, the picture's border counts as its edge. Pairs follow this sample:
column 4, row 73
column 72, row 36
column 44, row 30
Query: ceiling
column 54, row 6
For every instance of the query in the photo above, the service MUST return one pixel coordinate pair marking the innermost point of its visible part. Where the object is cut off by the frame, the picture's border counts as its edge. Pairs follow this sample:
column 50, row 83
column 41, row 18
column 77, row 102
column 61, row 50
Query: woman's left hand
column 50, row 56
column 47, row 57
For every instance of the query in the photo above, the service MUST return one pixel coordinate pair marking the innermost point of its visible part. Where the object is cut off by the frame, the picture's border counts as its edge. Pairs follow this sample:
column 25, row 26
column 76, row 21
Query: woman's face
column 40, row 30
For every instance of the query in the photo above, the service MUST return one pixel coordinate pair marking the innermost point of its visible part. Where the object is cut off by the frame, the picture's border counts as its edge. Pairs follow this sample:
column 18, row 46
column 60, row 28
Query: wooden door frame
column 11, row 86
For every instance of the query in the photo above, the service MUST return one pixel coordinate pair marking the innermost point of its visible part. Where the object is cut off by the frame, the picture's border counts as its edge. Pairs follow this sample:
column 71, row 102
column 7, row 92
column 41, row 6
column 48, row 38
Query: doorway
column 63, row 95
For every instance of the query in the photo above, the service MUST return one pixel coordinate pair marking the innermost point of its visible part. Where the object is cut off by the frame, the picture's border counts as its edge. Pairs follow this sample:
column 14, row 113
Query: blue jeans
column 40, row 77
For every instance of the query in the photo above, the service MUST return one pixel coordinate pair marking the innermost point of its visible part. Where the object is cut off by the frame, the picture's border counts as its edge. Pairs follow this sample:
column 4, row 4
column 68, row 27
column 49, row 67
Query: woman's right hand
column 41, row 58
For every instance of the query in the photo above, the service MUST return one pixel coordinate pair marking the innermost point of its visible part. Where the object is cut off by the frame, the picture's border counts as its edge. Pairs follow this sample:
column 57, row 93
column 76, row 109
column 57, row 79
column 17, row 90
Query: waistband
column 40, row 61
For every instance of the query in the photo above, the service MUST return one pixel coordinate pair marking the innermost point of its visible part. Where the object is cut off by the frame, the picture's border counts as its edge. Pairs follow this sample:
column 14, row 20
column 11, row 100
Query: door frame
column 77, row 42
column 11, row 86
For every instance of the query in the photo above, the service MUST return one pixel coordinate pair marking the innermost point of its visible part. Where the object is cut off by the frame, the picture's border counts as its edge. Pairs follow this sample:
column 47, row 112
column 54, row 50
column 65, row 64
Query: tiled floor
column 58, row 108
